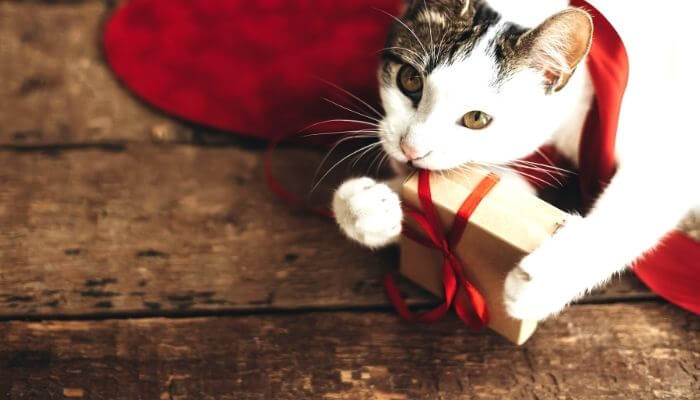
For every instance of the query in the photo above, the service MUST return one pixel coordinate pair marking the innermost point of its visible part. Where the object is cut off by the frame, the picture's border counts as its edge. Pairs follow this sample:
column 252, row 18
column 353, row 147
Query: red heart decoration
column 250, row 67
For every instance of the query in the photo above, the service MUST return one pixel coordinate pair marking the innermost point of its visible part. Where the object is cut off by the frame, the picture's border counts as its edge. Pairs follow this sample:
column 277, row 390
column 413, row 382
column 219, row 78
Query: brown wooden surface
column 157, row 268
column 172, row 228
column 56, row 88
column 641, row 351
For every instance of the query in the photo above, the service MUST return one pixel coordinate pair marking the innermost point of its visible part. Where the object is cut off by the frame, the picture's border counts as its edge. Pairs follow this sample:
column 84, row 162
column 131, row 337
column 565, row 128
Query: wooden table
column 144, row 258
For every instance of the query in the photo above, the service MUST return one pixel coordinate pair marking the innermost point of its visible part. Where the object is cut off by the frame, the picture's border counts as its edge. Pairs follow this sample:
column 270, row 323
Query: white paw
column 545, row 281
column 368, row 212
column 531, row 297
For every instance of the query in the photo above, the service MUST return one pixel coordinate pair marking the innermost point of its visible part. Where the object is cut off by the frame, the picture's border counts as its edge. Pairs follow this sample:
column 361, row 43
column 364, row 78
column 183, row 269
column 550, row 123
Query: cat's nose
column 410, row 152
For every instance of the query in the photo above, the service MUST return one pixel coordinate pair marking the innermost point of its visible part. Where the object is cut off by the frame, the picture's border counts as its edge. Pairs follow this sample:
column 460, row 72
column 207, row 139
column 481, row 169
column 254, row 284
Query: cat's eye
column 410, row 81
column 476, row 120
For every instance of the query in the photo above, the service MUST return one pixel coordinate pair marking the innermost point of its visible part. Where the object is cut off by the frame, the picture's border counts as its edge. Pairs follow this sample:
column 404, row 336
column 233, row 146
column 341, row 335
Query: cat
column 490, row 81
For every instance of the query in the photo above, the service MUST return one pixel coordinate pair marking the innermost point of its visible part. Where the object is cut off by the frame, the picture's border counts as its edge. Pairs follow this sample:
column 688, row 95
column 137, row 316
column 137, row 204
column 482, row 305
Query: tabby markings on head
column 442, row 32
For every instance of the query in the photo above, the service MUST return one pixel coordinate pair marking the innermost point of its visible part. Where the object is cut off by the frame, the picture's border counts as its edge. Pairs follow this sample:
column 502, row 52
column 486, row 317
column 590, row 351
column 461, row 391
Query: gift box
column 505, row 223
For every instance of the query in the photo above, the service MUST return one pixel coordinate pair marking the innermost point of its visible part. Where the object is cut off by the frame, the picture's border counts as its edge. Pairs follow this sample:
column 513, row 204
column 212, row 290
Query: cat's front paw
column 545, row 281
column 529, row 296
column 368, row 212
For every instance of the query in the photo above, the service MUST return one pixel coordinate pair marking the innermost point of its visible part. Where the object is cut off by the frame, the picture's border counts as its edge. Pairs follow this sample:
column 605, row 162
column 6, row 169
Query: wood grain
column 152, row 229
column 103, row 220
column 174, row 228
column 56, row 87
column 640, row 351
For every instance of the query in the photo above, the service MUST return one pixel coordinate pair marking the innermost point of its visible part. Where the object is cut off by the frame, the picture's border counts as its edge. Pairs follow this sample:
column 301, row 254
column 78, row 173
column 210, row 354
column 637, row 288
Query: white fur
column 654, row 187
column 452, row 91
column 368, row 212
column 526, row 13
column 658, row 135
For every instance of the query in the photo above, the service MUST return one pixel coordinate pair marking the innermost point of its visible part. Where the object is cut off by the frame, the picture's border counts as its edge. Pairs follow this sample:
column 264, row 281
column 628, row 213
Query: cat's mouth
column 416, row 162
column 406, row 167
column 402, row 167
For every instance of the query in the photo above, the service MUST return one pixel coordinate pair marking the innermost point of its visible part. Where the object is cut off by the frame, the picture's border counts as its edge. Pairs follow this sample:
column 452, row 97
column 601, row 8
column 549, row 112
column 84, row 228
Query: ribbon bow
column 469, row 303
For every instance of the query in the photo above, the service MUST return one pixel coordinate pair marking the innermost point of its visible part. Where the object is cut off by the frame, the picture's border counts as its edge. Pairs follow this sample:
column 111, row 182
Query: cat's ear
column 558, row 45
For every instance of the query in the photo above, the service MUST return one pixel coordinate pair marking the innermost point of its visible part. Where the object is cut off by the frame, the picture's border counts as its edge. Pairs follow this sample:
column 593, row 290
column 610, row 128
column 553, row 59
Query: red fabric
column 469, row 303
column 609, row 68
column 673, row 271
column 280, row 191
column 250, row 67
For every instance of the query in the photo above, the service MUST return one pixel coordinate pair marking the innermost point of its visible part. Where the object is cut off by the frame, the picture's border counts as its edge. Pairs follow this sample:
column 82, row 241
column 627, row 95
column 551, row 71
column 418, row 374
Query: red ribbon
column 469, row 303
column 280, row 191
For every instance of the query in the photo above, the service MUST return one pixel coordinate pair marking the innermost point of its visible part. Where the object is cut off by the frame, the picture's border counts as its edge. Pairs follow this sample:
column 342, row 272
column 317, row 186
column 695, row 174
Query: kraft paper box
column 508, row 224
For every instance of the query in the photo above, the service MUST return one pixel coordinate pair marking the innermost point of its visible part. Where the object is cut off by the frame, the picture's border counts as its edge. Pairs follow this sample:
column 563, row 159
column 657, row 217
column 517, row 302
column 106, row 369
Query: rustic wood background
column 144, row 258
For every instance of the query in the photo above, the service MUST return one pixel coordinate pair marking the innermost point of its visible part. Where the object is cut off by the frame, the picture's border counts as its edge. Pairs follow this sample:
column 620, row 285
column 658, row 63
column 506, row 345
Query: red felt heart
column 250, row 67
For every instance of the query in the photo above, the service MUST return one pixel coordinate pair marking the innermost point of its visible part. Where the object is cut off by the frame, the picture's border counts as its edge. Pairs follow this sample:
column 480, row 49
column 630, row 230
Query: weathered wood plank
column 56, row 87
column 176, row 229
column 644, row 351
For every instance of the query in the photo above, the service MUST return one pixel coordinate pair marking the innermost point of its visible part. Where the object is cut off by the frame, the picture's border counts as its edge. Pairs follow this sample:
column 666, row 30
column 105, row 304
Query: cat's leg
column 628, row 219
column 368, row 211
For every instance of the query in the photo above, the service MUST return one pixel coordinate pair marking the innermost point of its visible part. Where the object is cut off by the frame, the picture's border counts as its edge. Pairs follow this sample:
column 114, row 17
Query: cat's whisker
column 405, row 179
column 442, row 43
column 540, row 152
column 382, row 161
column 328, row 121
column 418, row 58
column 353, row 96
column 360, row 132
column 385, row 157
column 552, row 175
column 467, row 169
column 536, row 167
column 325, row 158
column 338, row 163
column 532, row 168
column 545, row 166
column 430, row 30
column 346, row 135
column 374, row 160
column 362, row 154
column 405, row 26
column 330, row 151
column 350, row 110
column 538, row 179
column 560, row 172
column 463, row 170
column 525, row 174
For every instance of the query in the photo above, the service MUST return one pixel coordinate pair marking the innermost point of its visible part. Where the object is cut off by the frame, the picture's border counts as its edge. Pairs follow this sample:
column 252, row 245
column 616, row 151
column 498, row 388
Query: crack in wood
column 72, row 252
column 92, row 282
column 152, row 253
column 98, row 293
column 58, row 148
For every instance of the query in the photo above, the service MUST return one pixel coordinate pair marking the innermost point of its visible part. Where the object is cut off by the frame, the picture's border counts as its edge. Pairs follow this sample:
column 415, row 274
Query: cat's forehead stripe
column 430, row 17
column 439, row 32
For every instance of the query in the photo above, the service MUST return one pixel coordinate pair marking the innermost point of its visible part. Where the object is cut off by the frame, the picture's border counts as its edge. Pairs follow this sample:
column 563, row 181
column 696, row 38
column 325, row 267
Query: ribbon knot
column 469, row 303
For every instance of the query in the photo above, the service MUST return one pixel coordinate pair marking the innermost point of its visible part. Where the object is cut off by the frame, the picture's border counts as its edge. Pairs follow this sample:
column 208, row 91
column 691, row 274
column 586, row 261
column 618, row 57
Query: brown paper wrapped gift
column 506, row 225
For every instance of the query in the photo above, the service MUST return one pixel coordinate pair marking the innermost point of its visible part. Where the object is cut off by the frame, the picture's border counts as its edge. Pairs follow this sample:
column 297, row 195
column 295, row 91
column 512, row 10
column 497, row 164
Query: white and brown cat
column 489, row 82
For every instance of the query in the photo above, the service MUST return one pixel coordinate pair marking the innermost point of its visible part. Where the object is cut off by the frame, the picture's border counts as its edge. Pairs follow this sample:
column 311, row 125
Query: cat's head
column 461, row 83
